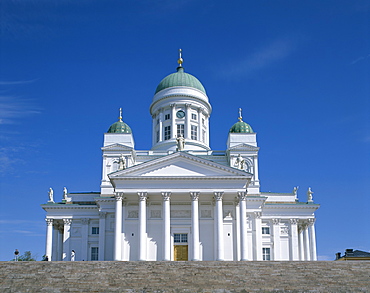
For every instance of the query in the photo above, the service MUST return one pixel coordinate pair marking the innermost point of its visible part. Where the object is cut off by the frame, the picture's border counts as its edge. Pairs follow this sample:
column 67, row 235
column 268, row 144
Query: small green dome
column 119, row 127
column 241, row 127
column 180, row 78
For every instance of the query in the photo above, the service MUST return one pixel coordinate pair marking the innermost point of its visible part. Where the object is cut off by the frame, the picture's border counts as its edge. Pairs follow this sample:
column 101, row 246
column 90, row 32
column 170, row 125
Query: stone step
column 207, row 276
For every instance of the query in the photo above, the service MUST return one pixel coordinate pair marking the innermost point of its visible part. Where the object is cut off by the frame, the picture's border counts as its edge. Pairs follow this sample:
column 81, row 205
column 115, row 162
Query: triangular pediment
column 243, row 147
column 117, row 147
column 180, row 164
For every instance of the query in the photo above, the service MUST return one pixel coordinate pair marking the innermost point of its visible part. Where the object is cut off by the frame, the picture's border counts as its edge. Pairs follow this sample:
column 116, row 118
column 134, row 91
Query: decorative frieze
column 155, row 214
column 206, row 214
column 181, row 214
column 133, row 214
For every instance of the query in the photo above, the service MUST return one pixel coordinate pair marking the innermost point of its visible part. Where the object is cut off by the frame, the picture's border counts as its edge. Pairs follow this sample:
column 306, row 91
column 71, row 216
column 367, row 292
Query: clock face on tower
column 180, row 114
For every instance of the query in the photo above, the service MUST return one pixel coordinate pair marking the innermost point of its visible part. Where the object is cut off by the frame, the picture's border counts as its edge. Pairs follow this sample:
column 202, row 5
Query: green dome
column 180, row 78
column 241, row 127
column 119, row 127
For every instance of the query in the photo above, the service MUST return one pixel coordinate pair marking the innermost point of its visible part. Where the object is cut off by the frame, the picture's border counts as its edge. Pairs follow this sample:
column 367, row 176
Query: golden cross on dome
column 240, row 114
column 120, row 115
column 180, row 60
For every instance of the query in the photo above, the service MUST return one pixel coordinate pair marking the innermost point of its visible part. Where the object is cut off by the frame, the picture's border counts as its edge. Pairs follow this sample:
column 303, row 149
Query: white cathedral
column 180, row 200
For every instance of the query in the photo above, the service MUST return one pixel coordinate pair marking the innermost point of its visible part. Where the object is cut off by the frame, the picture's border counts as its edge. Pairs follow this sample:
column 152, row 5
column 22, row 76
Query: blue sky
column 299, row 70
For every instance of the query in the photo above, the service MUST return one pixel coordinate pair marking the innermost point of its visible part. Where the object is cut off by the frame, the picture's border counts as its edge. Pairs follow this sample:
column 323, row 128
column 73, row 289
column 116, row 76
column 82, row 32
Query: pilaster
column 220, row 225
column 142, row 225
column 85, row 239
column 166, row 226
column 276, row 235
column 195, row 224
column 66, row 239
column 102, row 217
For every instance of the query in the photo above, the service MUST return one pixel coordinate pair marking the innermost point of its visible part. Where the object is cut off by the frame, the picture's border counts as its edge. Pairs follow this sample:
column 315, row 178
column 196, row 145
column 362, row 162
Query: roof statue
column 65, row 193
column 309, row 195
column 180, row 143
column 51, row 195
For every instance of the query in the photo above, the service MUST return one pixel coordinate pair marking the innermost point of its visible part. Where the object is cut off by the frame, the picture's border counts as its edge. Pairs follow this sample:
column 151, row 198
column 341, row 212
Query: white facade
column 178, row 202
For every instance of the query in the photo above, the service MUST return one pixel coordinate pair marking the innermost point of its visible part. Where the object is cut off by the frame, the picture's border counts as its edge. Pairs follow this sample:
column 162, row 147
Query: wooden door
column 181, row 252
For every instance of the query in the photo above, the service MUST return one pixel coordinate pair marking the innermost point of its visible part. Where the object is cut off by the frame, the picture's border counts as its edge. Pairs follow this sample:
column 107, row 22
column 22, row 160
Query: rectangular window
column 180, row 130
column 167, row 132
column 180, row 238
column 266, row 253
column 194, row 116
column 167, row 117
column 94, row 253
column 95, row 230
column 265, row 230
column 194, row 132
column 157, row 135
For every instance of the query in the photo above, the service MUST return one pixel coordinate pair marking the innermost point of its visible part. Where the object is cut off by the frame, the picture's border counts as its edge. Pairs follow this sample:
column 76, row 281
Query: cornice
column 69, row 206
column 204, row 178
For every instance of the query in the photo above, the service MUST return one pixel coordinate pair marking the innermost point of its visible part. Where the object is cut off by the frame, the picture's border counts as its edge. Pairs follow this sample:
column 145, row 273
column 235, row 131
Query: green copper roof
column 241, row 127
column 119, row 127
column 180, row 78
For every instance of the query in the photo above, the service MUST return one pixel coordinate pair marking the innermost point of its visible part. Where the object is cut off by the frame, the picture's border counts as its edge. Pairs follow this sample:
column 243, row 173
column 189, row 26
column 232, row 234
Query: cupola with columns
column 180, row 107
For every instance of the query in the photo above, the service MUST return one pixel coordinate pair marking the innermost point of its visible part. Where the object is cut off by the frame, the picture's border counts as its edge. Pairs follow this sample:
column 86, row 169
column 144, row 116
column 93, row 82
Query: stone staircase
column 208, row 276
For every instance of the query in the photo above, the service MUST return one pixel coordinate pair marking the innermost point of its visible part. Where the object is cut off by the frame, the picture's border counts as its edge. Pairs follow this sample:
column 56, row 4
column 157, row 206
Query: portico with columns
column 181, row 202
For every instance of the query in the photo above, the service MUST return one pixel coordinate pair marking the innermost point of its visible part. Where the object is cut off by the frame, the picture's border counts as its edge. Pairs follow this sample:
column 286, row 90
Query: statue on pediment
column 121, row 162
column 309, row 195
column 180, row 143
column 240, row 162
column 51, row 195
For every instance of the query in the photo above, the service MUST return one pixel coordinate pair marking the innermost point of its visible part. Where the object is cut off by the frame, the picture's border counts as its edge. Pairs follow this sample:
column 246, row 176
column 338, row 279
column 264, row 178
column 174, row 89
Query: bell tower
column 180, row 107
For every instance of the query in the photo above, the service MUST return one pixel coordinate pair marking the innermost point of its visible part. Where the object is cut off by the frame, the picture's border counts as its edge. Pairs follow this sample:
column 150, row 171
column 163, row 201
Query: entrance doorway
column 180, row 247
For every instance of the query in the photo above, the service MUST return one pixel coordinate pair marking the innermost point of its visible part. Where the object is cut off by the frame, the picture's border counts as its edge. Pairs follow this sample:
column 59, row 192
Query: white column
column 187, row 125
column 220, row 226
column 142, row 225
column 102, row 216
column 118, row 228
column 276, row 231
column 255, row 163
column 49, row 238
column 166, row 226
column 66, row 236
column 306, row 243
column 301, row 244
column 195, row 224
column 243, row 226
column 85, row 240
column 258, row 235
column 160, row 126
column 60, row 242
column 294, row 246
column 173, row 121
column 54, row 249
column 313, row 239
column 237, row 230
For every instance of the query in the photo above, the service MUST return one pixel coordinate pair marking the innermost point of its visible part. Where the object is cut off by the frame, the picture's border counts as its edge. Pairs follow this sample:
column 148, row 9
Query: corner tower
column 180, row 107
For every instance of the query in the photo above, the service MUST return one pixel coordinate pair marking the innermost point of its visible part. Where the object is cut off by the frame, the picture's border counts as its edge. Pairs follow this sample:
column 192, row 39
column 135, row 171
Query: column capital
column 172, row 105
column 194, row 195
column 102, row 215
column 218, row 195
column 142, row 196
column 293, row 221
column 311, row 221
column 257, row 215
column 85, row 221
column 275, row 221
column 49, row 222
column 187, row 105
column 118, row 196
column 166, row 196
column 67, row 222
column 242, row 195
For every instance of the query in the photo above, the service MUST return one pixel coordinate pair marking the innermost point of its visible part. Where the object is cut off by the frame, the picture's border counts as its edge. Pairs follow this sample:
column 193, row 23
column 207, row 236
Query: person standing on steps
column 73, row 254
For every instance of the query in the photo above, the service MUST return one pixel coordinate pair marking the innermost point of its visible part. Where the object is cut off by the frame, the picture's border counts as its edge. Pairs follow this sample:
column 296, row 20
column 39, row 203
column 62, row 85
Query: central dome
column 180, row 78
